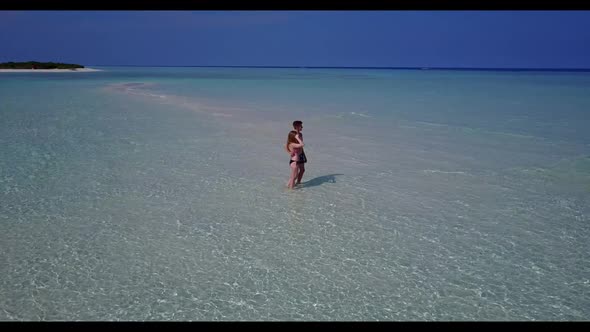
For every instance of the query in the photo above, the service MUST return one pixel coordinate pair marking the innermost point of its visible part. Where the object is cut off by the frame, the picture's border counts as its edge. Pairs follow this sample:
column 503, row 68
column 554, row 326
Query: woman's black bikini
column 302, row 159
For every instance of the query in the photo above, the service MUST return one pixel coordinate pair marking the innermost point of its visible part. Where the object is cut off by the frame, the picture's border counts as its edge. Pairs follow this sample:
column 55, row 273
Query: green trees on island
column 38, row 65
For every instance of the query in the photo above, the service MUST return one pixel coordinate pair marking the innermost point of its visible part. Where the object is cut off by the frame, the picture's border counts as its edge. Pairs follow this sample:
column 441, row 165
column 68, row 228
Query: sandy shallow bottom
column 127, row 202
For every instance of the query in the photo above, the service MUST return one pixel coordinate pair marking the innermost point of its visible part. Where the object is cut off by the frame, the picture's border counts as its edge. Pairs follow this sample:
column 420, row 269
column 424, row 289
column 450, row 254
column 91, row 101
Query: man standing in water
column 298, row 126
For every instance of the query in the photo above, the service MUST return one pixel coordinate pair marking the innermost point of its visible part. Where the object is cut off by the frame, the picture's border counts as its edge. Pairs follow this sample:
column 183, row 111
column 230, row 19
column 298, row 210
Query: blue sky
column 504, row 39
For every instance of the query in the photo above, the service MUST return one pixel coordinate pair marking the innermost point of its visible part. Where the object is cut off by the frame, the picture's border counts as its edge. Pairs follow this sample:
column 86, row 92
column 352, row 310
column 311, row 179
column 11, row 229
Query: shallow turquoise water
column 158, row 194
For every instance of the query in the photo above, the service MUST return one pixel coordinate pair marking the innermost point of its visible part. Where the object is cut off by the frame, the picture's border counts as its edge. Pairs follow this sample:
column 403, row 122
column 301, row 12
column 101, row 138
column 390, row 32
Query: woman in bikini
column 294, row 146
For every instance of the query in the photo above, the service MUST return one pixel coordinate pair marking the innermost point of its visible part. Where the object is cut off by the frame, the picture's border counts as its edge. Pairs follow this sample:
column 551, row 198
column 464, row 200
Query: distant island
column 43, row 67
column 39, row 65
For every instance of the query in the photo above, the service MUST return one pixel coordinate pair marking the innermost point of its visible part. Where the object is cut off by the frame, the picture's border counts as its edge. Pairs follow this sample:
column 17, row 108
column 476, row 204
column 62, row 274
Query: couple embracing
column 294, row 147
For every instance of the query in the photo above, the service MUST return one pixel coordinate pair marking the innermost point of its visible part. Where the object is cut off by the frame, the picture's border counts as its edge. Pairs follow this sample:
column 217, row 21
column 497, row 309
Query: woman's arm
column 300, row 145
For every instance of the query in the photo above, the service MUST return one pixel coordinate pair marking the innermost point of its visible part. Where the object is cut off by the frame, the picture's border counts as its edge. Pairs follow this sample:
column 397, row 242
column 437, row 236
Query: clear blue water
column 159, row 194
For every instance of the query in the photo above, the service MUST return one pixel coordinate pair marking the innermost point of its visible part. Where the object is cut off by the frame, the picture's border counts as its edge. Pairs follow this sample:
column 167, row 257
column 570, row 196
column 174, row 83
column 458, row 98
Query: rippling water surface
column 159, row 194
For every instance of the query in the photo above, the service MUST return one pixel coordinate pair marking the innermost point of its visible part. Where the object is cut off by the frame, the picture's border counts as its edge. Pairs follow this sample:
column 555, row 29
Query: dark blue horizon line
column 356, row 67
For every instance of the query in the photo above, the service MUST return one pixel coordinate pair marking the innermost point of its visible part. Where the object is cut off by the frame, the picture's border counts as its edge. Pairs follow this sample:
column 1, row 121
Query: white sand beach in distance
column 78, row 70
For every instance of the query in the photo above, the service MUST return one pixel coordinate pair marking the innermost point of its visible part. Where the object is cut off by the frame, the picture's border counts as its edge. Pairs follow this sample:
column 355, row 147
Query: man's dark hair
column 297, row 123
